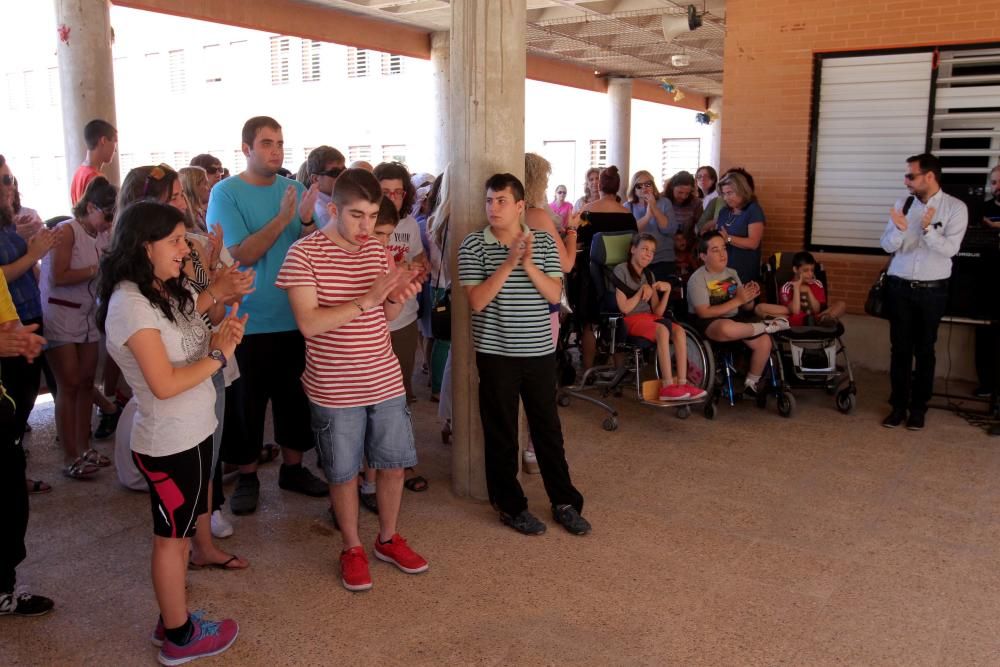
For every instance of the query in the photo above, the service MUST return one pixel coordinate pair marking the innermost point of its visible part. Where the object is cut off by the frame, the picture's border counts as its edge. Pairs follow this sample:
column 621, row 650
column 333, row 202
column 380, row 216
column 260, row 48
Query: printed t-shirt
column 162, row 426
column 352, row 365
column 405, row 245
column 711, row 289
column 243, row 209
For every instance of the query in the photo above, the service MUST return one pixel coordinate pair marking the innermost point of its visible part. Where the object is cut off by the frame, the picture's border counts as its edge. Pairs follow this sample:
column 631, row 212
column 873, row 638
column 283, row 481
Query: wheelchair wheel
column 610, row 424
column 684, row 412
column 710, row 410
column 563, row 400
column 786, row 404
column 846, row 401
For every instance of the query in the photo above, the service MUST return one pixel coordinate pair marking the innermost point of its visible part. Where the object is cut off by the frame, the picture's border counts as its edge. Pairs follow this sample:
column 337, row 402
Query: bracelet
column 571, row 231
column 215, row 302
column 357, row 303
column 308, row 224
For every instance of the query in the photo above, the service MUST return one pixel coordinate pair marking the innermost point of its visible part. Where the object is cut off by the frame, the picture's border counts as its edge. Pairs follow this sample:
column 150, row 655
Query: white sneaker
column 221, row 528
column 776, row 325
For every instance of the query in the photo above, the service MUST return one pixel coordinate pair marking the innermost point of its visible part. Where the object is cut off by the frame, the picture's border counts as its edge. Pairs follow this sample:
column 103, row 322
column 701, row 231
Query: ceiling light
column 680, row 60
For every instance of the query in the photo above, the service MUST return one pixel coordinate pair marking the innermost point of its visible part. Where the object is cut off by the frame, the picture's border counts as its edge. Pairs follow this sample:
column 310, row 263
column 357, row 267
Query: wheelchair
column 812, row 356
column 635, row 355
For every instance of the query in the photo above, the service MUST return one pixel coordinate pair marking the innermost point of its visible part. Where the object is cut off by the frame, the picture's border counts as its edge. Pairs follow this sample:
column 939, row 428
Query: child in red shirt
column 805, row 297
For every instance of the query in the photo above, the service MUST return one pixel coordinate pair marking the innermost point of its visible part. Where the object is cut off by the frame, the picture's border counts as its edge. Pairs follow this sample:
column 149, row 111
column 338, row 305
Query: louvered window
column 391, row 64
column 280, row 46
column 311, row 51
column 679, row 155
column 357, row 63
column 598, row 153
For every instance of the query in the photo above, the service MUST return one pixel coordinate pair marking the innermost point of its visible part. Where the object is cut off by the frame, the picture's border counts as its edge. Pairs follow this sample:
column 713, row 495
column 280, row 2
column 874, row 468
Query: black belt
column 919, row 284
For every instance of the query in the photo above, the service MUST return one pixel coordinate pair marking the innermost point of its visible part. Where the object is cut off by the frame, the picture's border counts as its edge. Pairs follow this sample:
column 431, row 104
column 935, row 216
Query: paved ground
column 750, row 540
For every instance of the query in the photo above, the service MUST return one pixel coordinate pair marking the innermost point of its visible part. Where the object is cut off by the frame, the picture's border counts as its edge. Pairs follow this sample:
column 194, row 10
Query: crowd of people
column 320, row 295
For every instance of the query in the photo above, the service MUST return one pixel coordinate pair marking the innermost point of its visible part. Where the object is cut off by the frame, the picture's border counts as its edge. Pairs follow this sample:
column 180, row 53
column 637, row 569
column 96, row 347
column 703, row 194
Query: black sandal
column 417, row 484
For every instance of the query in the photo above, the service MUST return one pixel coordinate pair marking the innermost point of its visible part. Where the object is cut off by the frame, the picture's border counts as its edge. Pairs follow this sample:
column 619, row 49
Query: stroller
column 812, row 356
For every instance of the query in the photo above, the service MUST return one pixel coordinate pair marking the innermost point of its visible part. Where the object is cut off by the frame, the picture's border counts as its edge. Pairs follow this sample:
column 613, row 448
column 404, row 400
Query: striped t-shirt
column 516, row 322
column 352, row 365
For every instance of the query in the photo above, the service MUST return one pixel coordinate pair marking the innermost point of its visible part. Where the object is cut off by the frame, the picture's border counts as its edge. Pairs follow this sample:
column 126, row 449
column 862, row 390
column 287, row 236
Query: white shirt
column 405, row 245
column 919, row 254
column 170, row 425
column 321, row 214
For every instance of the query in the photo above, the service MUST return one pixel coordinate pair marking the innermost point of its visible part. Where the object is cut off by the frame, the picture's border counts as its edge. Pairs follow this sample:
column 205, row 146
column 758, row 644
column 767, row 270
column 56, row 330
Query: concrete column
column 715, row 106
column 86, row 77
column 441, row 64
column 620, row 132
column 487, row 136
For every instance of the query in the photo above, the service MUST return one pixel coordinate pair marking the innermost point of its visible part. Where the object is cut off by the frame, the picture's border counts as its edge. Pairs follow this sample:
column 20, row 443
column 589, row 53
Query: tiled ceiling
column 613, row 37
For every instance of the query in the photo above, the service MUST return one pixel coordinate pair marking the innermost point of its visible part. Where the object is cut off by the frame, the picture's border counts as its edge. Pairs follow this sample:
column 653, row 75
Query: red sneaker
column 210, row 638
column 694, row 392
column 354, row 572
column 673, row 392
column 397, row 552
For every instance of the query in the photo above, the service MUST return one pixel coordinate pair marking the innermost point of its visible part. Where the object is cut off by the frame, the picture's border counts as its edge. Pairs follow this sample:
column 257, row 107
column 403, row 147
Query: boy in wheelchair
column 724, row 308
column 804, row 297
column 643, row 301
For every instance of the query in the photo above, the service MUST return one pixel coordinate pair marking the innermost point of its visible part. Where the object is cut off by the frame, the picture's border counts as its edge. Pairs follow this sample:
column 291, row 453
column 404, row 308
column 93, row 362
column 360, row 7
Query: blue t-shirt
column 243, row 209
column 664, row 240
column 746, row 262
column 23, row 290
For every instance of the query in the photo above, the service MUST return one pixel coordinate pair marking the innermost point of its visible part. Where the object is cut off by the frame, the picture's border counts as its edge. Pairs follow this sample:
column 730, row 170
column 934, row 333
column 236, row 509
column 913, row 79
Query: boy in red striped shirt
column 343, row 294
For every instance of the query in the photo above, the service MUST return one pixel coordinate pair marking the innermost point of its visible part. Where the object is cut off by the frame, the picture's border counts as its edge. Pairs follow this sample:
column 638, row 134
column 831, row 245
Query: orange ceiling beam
column 288, row 17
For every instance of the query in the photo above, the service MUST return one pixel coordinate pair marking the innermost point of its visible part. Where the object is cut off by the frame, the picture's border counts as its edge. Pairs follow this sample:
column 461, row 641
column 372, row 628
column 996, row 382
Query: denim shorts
column 381, row 433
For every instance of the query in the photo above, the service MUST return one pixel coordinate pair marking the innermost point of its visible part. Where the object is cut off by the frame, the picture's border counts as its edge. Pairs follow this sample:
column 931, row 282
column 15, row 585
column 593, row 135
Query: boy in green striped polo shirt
column 511, row 275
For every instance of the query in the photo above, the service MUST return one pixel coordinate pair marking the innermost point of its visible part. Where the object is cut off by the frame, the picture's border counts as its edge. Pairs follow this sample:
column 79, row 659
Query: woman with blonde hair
column 539, row 215
column 591, row 189
column 195, row 186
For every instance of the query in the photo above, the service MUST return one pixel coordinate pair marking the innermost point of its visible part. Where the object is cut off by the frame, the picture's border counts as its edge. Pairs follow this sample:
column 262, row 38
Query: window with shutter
column 53, row 86
column 178, row 74
column 211, row 58
column 394, row 153
column 280, row 47
column 357, row 63
column 599, row 153
column 391, row 64
column 311, row 51
column 679, row 155
column 355, row 153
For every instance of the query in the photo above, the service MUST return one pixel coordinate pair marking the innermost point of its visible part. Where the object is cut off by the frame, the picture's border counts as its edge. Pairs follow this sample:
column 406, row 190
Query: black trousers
column 502, row 381
column 271, row 366
column 914, row 316
column 22, row 379
column 988, row 357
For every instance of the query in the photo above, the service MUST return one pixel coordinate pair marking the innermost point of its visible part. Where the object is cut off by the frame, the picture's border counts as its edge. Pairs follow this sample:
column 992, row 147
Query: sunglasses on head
column 332, row 173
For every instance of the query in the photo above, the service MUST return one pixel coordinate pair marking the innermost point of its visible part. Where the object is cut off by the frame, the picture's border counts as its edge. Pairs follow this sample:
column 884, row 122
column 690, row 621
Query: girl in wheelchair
column 724, row 308
column 643, row 301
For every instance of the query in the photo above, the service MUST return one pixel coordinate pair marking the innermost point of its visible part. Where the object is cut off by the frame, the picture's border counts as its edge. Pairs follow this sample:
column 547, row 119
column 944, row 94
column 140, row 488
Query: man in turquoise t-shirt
column 262, row 215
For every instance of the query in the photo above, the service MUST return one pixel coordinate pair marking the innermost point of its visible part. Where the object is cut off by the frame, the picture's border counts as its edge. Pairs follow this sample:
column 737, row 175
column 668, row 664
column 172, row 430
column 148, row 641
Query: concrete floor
column 753, row 540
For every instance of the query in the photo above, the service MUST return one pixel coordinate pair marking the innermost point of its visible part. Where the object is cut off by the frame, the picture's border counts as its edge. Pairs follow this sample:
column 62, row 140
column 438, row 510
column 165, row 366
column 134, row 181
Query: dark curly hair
column 388, row 171
column 138, row 224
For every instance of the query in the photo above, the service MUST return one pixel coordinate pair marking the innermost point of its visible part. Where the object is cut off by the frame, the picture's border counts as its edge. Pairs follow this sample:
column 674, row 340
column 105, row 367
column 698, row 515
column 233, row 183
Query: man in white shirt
column 324, row 164
column 924, row 232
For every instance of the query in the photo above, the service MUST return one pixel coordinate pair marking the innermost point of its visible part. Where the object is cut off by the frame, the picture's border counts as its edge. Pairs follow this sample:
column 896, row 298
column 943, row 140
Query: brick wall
column 768, row 95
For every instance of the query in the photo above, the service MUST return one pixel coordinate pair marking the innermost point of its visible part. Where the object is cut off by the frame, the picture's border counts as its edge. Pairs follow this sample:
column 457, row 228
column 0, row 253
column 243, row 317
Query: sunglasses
column 560, row 192
column 7, row 180
column 643, row 185
column 212, row 171
column 109, row 212
column 913, row 177
column 332, row 173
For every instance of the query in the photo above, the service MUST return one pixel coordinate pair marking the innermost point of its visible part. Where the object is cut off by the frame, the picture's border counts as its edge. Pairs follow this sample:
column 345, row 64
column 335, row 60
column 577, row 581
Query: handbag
column 875, row 303
column 441, row 302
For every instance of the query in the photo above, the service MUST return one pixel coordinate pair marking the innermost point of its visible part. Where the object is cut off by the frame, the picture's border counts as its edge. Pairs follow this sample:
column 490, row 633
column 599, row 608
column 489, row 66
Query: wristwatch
column 729, row 239
column 217, row 355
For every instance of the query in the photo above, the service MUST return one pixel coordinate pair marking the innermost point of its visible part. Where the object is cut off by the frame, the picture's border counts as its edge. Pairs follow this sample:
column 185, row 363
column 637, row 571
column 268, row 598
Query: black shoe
column 895, row 418
column 301, row 480
column 751, row 391
column 525, row 523
column 24, row 604
column 915, row 422
column 980, row 392
column 368, row 501
column 567, row 517
column 245, row 496
column 107, row 425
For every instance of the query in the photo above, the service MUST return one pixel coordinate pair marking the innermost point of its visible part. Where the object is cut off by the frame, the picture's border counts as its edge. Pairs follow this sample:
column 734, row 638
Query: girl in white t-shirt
column 168, row 354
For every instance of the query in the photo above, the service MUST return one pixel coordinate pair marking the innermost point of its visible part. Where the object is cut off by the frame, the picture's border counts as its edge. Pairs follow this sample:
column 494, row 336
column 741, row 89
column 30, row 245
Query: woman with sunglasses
column 68, row 283
column 561, row 207
column 654, row 215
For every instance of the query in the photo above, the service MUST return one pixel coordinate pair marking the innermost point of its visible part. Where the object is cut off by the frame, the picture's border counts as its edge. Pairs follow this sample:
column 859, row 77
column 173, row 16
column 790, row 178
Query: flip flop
column 217, row 566
column 268, row 453
column 37, row 486
column 416, row 484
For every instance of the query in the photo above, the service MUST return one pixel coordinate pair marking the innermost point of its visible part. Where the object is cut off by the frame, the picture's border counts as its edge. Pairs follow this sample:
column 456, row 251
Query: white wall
column 155, row 124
